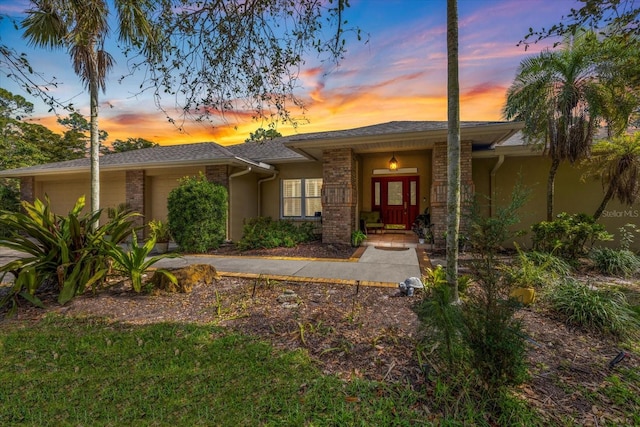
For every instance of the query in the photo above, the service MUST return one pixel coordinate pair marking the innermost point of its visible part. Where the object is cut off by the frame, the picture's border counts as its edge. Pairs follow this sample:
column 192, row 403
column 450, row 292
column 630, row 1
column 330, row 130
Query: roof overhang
column 257, row 167
column 489, row 135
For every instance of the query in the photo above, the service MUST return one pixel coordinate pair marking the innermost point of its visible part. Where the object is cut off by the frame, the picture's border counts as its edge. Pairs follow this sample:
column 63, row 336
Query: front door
column 397, row 200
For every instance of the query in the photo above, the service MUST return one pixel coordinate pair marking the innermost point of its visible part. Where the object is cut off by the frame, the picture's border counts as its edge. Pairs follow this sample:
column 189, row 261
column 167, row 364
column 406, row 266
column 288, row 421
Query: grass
column 63, row 371
column 604, row 310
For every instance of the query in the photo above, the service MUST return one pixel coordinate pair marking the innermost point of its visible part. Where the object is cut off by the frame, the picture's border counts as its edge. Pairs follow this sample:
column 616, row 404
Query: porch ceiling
column 484, row 136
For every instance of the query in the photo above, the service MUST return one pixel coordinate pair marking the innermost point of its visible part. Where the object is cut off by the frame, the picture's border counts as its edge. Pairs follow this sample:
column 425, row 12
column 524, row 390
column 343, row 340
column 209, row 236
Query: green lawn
column 90, row 372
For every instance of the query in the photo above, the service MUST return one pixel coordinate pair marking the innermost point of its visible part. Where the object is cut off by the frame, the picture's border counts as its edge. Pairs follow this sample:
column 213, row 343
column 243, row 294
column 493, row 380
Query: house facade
column 333, row 177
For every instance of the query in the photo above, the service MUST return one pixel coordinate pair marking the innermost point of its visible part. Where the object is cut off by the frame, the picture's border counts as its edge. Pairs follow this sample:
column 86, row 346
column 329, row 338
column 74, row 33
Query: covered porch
column 398, row 169
column 393, row 239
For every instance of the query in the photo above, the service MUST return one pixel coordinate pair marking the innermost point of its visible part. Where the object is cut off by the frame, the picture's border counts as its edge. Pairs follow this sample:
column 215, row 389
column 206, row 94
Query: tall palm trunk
column 453, row 148
column 95, row 143
column 551, row 187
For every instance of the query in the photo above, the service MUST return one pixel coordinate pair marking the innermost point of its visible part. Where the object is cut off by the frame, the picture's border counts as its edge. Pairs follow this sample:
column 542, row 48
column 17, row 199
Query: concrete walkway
column 376, row 266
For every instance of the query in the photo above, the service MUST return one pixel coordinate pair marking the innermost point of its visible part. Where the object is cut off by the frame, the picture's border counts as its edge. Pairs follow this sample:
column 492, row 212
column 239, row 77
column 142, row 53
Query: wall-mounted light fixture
column 393, row 163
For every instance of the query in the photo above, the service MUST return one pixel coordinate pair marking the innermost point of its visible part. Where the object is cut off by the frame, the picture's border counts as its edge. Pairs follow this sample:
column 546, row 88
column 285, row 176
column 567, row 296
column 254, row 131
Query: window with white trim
column 301, row 198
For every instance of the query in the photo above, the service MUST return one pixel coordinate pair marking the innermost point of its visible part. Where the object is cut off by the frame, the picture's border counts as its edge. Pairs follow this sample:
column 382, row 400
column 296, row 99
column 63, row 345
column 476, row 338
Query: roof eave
column 17, row 173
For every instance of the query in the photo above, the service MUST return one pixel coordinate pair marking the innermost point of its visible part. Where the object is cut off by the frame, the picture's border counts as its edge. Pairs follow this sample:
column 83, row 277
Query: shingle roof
column 388, row 128
column 145, row 157
column 268, row 151
column 273, row 151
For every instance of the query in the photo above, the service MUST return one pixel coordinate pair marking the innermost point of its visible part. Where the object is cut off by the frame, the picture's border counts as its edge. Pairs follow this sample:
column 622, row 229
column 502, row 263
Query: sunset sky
column 398, row 74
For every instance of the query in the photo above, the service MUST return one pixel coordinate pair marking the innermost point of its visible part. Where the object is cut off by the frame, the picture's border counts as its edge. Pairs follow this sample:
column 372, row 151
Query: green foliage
column 495, row 338
column 134, row 262
column 10, row 202
column 65, row 250
column 357, row 237
column 604, row 310
column 440, row 318
column 262, row 135
column 492, row 334
column 627, row 235
column 198, row 214
column 568, row 236
column 160, row 230
column 130, row 144
column 264, row 233
column 553, row 264
column 535, row 270
column 615, row 262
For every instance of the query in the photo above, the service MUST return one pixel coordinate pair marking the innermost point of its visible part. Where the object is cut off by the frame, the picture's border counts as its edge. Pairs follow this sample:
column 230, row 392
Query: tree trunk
column 453, row 149
column 550, row 187
column 95, row 145
column 613, row 184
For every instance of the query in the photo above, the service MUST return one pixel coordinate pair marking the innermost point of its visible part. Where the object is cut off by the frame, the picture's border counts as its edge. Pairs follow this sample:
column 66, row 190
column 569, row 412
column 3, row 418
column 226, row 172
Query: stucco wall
column 571, row 194
column 159, row 183
column 244, row 202
column 270, row 200
column 64, row 192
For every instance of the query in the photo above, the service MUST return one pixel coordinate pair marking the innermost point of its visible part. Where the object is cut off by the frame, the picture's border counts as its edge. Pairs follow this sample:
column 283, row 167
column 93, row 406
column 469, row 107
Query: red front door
column 397, row 200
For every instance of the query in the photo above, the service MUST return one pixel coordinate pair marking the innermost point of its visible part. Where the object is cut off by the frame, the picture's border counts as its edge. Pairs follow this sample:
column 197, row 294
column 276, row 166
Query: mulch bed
column 369, row 333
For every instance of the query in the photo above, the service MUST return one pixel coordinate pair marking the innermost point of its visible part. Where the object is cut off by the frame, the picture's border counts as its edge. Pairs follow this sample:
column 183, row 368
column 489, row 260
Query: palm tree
column 453, row 148
column 617, row 163
column 555, row 94
column 81, row 27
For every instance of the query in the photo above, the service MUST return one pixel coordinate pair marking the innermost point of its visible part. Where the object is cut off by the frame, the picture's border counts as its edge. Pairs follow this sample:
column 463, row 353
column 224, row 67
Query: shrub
column 481, row 335
column 615, row 262
column 535, row 269
column 9, row 202
column 490, row 330
column 265, row 233
column 198, row 214
column 606, row 311
column 68, row 251
column 441, row 319
column 569, row 236
column 551, row 263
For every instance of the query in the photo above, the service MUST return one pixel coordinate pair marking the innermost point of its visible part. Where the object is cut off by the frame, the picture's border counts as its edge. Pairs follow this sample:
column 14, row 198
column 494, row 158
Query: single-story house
column 398, row 169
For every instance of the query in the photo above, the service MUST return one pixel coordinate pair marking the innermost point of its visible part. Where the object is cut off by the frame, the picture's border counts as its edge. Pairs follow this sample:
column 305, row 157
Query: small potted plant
column 357, row 237
column 160, row 232
column 422, row 227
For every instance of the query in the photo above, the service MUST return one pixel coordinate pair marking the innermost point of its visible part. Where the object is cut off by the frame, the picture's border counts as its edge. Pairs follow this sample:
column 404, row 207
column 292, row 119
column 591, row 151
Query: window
column 301, row 197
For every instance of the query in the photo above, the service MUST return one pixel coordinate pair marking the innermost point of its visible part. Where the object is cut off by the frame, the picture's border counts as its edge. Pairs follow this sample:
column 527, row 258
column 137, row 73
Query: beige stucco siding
column 244, row 202
column 270, row 199
column 65, row 191
column 158, row 185
column 572, row 195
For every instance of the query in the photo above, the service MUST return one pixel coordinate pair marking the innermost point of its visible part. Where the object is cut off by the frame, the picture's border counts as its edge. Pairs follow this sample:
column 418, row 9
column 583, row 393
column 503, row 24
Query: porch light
column 393, row 163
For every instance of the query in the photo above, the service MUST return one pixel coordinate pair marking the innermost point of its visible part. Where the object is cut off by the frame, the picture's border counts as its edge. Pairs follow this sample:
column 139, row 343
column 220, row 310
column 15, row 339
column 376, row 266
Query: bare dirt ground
column 370, row 333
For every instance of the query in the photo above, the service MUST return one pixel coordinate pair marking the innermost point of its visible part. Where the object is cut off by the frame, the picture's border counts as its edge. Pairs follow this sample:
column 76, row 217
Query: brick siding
column 339, row 195
column 134, row 195
column 27, row 188
column 218, row 174
column 439, row 188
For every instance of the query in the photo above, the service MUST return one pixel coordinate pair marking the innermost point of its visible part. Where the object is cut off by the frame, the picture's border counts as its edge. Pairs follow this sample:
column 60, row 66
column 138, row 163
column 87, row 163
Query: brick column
column 218, row 174
column 439, row 188
column 28, row 188
column 134, row 195
column 339, row 195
